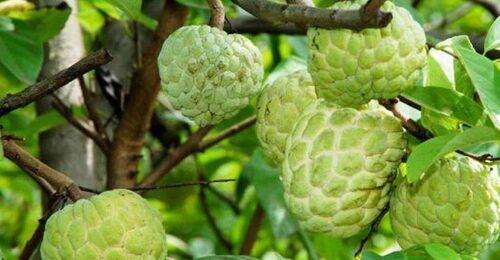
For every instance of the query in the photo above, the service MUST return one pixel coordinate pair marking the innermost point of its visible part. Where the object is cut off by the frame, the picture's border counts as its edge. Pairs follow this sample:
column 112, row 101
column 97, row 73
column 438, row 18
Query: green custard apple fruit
column 117, row 224
column 338, row 166
column 279, row 105
column 209, row 75
column 457, row 203
column 351, row 68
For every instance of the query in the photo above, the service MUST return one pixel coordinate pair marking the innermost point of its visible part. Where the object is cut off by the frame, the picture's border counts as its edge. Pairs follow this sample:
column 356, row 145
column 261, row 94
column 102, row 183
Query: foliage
column 449, row 110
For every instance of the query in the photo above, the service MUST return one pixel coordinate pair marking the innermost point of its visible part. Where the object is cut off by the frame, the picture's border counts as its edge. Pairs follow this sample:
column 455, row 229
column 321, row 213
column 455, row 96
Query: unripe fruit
column 350, row 68
column 117, row 224
column 338, row 166
column 457, row 203
column 209, row 75
column 279, row 105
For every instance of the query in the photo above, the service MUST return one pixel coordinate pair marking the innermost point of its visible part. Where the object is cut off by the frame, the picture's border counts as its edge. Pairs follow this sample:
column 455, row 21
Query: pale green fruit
column 117, row 224
column 338, row 166
column 278, row 108
column 209, row 75
column 350, row 68
column 457, row 203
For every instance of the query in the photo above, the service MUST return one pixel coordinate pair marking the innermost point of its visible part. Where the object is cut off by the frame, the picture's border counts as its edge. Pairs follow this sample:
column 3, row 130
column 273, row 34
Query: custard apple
column 457, row 203
column 209, row 75
column 338, row 166
column 279, row 105
column 117, row 224
column 350, row 68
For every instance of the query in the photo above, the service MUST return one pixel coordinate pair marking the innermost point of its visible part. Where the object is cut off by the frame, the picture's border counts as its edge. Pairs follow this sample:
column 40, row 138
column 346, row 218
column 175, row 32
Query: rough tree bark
column 65, row 148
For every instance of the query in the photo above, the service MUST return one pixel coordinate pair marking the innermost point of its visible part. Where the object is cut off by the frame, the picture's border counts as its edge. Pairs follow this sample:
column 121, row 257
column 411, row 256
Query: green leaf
column 6, row 24
column 226, row 257
column 131, row 8
column 482, row 73
column 89, row 17
column 46, row 22
column 492, row 40
column 285, row 67
column 441, row 252
column 269, row 191
column 22, row 52
column 428, row 152
column 449, row 103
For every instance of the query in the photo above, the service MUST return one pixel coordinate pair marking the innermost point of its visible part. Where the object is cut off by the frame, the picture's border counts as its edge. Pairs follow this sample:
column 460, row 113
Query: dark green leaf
column 269, row 191
column 46, row 22
column 21, row 52
column 482, row 73
column 428, row 152
column 441, row 252
column 492, row 40
column 449, row 103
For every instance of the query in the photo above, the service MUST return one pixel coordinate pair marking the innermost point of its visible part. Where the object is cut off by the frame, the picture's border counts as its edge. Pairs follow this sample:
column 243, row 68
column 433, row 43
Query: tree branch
column 66, row 112
column 130, row 133
column 371, row 9
column 34, row 167
column 252, row 231
column 253, row 25
column 323, row 18
column 91, row 109
column 217, row 13
column 42, row 88
column 192, row 145
column 409, row 124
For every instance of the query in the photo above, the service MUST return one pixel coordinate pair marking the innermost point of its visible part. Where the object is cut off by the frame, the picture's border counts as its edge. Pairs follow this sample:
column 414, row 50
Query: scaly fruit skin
column 209, row 75
column 278, row 108
column 117, row 224
column 457, row 203
column 338, row 166
column 350, row 68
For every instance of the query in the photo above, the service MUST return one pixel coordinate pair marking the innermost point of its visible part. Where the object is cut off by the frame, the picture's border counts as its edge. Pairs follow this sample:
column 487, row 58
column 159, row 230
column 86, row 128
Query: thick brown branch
column 66, row 112
column 217, row 13
column 42, row 88
column 323, row 18
column 33, row 166
column 409, row 124
column 253, row 25
column 493, row 6
column 252, row 231
column 130, row 133
column 300, row 2
column 371, row 9
column 192, row 145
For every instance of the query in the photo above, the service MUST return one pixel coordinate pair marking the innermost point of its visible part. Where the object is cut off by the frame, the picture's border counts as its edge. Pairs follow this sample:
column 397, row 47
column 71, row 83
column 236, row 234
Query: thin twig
column 192, row 145
column 91, row 109
column 228, row 132
column 409, row 102
column 206, row 209
column 225, row 199
column 42, row 88
column 323, row 18
column 252, row 231
column 217, row 13
column 373, row 229
column 66, row 112
column 168, row 186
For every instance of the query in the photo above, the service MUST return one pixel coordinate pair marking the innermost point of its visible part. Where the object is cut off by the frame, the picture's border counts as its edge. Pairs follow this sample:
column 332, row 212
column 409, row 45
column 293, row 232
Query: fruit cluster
column 338, row 149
